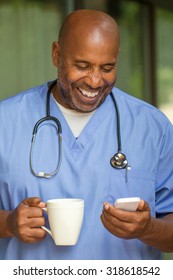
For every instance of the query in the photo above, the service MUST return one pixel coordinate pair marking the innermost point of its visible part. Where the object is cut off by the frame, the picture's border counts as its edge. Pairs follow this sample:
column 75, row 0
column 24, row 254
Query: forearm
column 4, row 227
column 160, row 233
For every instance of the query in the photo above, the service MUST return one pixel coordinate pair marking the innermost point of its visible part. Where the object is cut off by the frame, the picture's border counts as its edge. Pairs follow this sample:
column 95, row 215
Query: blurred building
column 145, row 70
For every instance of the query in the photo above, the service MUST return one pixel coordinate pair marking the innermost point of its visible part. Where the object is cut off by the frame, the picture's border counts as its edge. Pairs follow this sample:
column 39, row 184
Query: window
column 27, row 30
column 164, row 66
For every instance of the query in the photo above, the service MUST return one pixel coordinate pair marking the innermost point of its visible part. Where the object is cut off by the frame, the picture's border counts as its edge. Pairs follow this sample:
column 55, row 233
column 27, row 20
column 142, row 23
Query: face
column 86, row 72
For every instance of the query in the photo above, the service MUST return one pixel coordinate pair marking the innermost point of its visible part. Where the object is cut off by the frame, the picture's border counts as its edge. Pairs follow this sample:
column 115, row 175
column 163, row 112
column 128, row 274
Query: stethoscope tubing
column 48, row 117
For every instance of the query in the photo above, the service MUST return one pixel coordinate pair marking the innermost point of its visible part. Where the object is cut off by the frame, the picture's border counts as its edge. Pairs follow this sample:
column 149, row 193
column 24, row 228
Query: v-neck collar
column 88, row 131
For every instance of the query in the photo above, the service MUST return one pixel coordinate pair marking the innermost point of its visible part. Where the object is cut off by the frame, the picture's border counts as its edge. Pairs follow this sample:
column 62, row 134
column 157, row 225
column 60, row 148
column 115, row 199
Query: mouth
column 88, row 94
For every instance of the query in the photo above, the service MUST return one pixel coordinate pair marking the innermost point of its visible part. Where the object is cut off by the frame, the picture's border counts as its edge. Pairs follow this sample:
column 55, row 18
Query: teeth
column 88, row 93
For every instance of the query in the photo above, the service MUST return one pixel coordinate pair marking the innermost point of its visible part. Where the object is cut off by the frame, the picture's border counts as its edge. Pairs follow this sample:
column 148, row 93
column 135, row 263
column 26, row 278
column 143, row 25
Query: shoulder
column 33, row 92
column 23, row 100
column 137, row 108
column 126, row 98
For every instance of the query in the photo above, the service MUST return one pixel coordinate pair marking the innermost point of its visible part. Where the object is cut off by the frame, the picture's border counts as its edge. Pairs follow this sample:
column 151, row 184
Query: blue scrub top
column 147, row 141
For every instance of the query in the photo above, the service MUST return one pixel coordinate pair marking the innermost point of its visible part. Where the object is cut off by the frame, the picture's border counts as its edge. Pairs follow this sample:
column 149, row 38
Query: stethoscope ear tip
column 119, row 161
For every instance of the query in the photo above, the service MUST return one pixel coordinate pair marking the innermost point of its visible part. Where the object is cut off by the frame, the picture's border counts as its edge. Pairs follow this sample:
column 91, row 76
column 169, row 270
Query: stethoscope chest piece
column 119, row 161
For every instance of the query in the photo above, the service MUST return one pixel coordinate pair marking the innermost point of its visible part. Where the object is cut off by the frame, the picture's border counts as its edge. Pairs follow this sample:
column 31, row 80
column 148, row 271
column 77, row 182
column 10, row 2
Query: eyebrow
column 81, row 61
column 87, row 62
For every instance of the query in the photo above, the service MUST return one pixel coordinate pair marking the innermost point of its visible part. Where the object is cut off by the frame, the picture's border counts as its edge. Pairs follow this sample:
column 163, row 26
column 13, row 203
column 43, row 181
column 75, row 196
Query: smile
column 89, row 93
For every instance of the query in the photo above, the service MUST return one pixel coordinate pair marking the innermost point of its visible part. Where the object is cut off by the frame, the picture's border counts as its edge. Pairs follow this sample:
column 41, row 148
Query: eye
column 82, row 67
column 108, row 69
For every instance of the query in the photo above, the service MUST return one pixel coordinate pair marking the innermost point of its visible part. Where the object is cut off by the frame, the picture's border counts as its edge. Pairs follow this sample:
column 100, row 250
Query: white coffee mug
column 65, row 216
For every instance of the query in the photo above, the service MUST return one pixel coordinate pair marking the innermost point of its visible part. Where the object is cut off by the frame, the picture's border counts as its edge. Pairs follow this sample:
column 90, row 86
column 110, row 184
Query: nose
column 94, row 79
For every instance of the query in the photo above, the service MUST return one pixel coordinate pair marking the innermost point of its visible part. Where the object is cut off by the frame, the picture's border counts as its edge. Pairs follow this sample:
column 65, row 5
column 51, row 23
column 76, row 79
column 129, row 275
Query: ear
column 55, row 53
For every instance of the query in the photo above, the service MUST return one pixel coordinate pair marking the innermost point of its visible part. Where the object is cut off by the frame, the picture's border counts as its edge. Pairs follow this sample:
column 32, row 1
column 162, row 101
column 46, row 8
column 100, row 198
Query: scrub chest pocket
column 130, row 183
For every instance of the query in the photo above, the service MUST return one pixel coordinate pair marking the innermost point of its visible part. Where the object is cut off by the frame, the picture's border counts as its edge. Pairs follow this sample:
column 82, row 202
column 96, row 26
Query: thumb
column 143, row 206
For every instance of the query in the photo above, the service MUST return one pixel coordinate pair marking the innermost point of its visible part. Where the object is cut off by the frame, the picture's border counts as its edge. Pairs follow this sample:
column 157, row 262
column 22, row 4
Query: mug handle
column 45, row 228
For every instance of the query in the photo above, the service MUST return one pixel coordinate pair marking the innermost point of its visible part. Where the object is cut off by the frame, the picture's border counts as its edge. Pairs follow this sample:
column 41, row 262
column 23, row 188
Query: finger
column 110, row 221
column 34, row 202
column 143, row 206
column 124, row 216
column 35, row 235
column 114, row 228
column 32, row 240
column 36, row 222
column 29, row 212
column 35, row 212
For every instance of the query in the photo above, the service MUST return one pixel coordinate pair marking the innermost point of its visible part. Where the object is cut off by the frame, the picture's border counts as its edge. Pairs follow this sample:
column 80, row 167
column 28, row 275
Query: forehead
column 91, row 46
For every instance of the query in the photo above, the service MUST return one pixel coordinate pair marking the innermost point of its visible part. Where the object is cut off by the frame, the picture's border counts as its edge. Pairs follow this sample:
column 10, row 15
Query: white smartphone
column 128, row 204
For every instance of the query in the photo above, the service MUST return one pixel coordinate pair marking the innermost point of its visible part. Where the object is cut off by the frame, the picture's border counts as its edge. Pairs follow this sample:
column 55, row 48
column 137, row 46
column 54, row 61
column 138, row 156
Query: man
column 86, row 58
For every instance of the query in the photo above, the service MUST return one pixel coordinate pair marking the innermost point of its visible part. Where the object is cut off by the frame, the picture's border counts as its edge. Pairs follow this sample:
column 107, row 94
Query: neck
column 58, row 95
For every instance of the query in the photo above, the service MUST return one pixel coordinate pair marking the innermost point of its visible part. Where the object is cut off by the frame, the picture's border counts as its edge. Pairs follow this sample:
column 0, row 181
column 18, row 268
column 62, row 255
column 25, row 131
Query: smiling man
column 83, row 99
column 86, row 61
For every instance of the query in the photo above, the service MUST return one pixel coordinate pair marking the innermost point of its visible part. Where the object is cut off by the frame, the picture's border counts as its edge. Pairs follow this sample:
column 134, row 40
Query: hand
column 25, row 221
column 125, row 224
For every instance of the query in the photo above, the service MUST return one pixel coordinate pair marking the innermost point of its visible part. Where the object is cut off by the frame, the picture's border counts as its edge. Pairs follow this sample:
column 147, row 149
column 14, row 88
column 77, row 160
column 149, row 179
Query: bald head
column 88, row 23
column 86, row 57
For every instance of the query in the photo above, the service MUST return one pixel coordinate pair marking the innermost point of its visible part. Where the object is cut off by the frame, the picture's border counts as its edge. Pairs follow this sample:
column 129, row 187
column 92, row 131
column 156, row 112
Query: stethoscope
column 118, row 161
